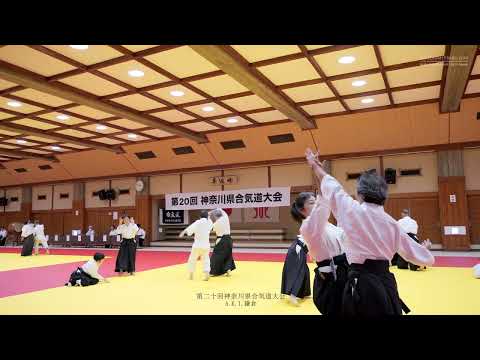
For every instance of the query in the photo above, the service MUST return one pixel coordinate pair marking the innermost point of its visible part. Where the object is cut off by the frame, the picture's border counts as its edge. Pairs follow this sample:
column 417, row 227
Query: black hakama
column 404, row 264
column 126, row 256
column 222, row 258
column 328, row 287
column 371, row 291
column 28, row 243
column 84, row 278
column 296, row 274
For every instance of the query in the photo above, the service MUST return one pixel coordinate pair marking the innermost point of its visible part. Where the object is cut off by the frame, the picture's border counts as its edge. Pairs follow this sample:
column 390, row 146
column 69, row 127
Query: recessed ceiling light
column 346, row 59
column 177, row 93
column 21, row 142
column 56, row 148
column 136, row 73
column 63, row 117
column 101, row 127
column 14, row 103
column 132, row 136
column 367, row 101
column 208, row 108
column 79, row 47
column 358, row 83
column 232, row 120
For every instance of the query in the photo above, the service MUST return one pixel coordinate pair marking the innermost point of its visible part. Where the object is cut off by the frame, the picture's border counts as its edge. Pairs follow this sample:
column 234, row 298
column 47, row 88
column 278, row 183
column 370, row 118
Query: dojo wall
column 63, row 203
column 42, row 198
column 471, row 158
column 92, row 201
column 340, row 169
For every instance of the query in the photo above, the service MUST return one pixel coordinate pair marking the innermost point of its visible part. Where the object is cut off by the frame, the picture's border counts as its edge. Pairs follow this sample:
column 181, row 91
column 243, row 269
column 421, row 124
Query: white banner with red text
column 244, row 198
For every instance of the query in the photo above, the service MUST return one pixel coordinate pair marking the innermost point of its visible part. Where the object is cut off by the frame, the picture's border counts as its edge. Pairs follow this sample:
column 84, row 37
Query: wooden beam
column 31, row 80
column 241, row 72
column 26, row 130
column 26, row 155
column 460, row 64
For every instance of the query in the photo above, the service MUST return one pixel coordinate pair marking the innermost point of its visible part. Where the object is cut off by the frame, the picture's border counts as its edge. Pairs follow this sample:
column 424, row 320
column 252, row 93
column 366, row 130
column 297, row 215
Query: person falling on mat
column 87, row 274
column 222, row 258
column 201, row 244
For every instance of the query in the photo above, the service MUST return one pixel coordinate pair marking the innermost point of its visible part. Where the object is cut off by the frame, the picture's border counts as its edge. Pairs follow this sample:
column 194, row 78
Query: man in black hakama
column 28, row 239
column 128, row 248
column 221, row 261
column 371, row 291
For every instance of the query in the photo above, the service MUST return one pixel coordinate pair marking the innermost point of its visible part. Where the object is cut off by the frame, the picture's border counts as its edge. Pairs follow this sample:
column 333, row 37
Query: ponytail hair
column 298, row 205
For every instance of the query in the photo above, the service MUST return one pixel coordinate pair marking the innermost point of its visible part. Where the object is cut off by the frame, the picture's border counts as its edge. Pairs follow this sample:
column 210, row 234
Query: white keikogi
column 27, row 230
column 127, row 231
column 39, row 231
column 91, row 268
column 201, row 244
column 408, row 225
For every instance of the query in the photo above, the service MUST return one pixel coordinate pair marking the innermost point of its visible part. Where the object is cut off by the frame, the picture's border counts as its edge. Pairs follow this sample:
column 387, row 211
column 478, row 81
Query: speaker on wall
column 102, row 195
column 390, row 176
column 111, row 194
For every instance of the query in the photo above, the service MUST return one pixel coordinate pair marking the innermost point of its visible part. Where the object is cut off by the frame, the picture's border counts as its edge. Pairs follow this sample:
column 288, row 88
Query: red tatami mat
column 21, row 281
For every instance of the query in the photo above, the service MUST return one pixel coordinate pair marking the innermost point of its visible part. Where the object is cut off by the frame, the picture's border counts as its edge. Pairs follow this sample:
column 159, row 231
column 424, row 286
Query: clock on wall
column 139, row 185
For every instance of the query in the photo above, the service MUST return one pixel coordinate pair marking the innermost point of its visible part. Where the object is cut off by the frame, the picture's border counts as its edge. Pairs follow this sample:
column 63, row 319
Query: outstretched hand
column 427, row 243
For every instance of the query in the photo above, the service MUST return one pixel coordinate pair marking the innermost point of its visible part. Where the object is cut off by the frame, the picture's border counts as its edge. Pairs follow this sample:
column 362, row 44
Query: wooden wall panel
column 144, row 215
column 53, row 221
column 471, row 159
column 102, row 219
column 291, row 175
column 424, row 209
column 453, row 214
column 474, row 217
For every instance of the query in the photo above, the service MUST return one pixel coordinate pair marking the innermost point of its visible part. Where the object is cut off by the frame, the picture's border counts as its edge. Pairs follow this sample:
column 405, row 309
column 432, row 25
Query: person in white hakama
column 201, row 244
column 40, row 238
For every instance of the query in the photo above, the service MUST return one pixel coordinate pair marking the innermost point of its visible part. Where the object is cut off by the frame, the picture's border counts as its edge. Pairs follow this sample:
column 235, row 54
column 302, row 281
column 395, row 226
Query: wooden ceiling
column 62, row 99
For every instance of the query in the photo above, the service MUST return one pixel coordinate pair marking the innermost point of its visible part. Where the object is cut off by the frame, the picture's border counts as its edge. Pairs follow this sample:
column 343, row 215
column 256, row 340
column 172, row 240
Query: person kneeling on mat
column 87, row 274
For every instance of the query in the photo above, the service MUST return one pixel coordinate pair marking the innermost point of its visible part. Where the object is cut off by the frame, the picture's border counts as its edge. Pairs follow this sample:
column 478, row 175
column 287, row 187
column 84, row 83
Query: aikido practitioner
column 201, row 229
column 87, row 274
column 296, row 274
column 3, row 236
column 27, row 235
column 372, row 238
column 128, row 247
column 141, row 235
column 325, row 242
column 410, row 226
column 40, row 238
column 476, row 271
column 222, row 255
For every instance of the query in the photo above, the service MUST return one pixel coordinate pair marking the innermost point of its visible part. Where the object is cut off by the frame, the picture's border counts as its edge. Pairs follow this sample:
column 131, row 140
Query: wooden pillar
column 453, row 201
column 143, row 206
column 26, row 206
column 78, row 207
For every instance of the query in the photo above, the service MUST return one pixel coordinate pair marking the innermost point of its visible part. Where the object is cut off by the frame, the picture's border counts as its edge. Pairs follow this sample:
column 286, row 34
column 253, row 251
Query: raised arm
column 337, row 198
column 339, row 201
